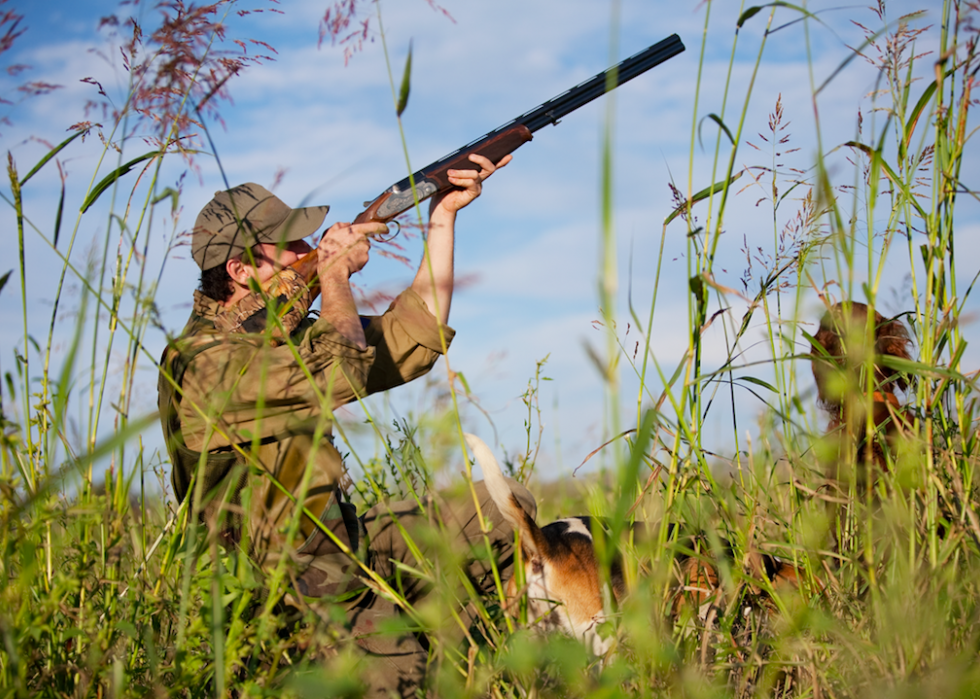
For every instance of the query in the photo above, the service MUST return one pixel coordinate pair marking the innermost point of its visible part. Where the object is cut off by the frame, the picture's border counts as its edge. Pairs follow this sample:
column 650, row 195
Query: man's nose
column 300, row 247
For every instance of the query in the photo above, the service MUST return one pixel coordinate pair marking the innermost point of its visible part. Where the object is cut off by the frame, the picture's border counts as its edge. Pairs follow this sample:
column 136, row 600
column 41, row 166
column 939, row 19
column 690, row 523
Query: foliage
column 107, row 590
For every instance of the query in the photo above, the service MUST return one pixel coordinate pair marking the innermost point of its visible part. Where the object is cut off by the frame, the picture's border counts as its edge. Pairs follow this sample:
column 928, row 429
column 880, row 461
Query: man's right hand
column 344, row 248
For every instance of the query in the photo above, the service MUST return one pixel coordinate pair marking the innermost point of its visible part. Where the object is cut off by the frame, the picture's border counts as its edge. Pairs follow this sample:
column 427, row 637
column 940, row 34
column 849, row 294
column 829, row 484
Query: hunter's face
column 271, row 259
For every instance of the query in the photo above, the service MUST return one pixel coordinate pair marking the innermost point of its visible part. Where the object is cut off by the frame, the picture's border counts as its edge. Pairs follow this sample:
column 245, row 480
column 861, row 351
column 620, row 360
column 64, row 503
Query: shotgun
column 401, row 196
column 505, row 139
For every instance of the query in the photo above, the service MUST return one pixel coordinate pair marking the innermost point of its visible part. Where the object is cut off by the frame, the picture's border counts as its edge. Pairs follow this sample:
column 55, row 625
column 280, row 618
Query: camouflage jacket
column 252, row 422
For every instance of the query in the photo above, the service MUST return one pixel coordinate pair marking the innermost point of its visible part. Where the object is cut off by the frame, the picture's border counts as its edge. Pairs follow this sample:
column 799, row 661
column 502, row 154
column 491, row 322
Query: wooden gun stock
column 306, row 266
column 434, row 179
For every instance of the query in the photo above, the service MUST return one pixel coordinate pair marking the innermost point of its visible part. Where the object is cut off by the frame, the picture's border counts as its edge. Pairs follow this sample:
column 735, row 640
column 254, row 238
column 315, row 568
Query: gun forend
column 433, row 178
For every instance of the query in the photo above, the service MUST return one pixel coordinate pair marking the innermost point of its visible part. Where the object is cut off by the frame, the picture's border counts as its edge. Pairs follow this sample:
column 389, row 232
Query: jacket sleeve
column 407, row 342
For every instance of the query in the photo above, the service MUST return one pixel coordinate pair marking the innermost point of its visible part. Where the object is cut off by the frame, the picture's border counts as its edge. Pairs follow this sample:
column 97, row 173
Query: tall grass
column 107, row 590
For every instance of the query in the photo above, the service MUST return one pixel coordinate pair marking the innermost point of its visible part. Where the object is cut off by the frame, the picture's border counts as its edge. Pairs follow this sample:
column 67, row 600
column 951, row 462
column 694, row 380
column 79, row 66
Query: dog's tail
column 503, row 497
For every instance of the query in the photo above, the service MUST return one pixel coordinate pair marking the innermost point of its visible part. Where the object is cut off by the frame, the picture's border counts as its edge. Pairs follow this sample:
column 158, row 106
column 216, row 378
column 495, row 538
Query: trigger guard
column 391, row 234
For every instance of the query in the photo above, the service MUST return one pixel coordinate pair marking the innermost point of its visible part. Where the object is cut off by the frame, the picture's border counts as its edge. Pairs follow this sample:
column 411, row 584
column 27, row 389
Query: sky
column 320, row 128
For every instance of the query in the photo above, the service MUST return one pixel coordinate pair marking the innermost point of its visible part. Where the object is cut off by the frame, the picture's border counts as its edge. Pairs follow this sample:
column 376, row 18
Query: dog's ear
column 824, row 363
column 891, row 340
column 532, row 559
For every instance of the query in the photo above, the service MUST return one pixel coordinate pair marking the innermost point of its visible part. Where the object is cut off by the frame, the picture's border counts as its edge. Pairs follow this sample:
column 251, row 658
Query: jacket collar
column 206, row 307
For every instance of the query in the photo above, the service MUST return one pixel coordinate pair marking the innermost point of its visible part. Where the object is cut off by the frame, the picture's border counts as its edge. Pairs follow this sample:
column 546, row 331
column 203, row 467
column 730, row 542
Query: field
column 110, row 588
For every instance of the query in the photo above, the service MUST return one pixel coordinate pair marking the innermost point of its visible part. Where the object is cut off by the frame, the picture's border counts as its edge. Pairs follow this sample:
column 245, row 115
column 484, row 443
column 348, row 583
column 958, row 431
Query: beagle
column 562, row 570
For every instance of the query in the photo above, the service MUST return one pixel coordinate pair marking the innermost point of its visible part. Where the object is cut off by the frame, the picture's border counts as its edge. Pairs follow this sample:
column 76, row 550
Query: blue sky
column 528, row 250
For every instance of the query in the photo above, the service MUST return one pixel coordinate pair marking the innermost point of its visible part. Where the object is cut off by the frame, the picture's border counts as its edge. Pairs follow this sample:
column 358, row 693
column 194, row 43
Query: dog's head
column 561, row 581
column 844, row 347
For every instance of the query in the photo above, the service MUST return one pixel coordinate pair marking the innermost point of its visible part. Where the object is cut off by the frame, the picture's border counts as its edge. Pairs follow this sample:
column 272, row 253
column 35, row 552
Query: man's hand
column 344, row 249
column 469, row 184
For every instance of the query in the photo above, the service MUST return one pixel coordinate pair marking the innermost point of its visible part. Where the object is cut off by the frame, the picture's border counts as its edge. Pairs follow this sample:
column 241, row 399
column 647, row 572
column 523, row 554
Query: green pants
column 449, row 525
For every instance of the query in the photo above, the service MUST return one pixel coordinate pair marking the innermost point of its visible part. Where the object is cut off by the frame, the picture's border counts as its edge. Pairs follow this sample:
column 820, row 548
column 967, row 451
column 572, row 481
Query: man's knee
column 394, row 663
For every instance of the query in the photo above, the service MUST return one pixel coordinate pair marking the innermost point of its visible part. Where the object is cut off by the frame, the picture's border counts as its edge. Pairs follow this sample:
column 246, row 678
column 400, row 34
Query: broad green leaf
column 629, row 478
column 745, row 321
column 876, row 159
column 678, row 371
column 696, row 284
column 919, row 369
column 406, row 83
column 748, row 14
column 170, row 193
column 789, row 191
column 127, row 628
column 109, row 179
column 860, row 146
column 462, row 380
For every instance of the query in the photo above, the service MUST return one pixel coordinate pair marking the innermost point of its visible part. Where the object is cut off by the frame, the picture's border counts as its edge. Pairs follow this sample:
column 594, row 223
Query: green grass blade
column 916, row 112
column 50, row 154
column 109, row 179
column 406, row 85
column 702, row 195
column 58, row 215
column 758, row 382
column 717, row 119
column 753, row 11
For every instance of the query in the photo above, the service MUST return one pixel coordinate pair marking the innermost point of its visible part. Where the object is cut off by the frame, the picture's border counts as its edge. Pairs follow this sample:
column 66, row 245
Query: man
column 248, row 389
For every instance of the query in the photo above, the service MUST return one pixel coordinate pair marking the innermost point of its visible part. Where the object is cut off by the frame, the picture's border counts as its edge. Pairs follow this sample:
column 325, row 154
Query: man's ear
column 238, row 270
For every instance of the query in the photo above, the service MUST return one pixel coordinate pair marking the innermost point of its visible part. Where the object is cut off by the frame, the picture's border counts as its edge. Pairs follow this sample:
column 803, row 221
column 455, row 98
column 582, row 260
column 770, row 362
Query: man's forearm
column 343, row 251
column 434, row 280
column 338, row 308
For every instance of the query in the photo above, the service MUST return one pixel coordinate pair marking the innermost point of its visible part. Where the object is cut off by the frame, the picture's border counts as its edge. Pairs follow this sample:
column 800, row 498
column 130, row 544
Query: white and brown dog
column 560, row 566
column 562, row 570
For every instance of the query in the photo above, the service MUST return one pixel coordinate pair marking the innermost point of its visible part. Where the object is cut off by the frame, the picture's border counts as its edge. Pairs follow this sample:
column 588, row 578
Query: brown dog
column 837, row 369
column 562, row 571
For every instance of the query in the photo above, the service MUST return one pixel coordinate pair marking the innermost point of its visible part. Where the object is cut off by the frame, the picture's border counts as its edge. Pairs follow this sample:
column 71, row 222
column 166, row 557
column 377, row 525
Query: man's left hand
column 469, row 184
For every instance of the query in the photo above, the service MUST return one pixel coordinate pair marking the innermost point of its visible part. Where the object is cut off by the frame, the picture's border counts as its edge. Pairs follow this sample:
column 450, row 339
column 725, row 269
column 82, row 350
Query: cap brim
column 301, row 223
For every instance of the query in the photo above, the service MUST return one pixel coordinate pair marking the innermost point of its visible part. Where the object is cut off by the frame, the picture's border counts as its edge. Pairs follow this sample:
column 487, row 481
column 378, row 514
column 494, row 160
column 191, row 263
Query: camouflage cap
column 245, row 215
